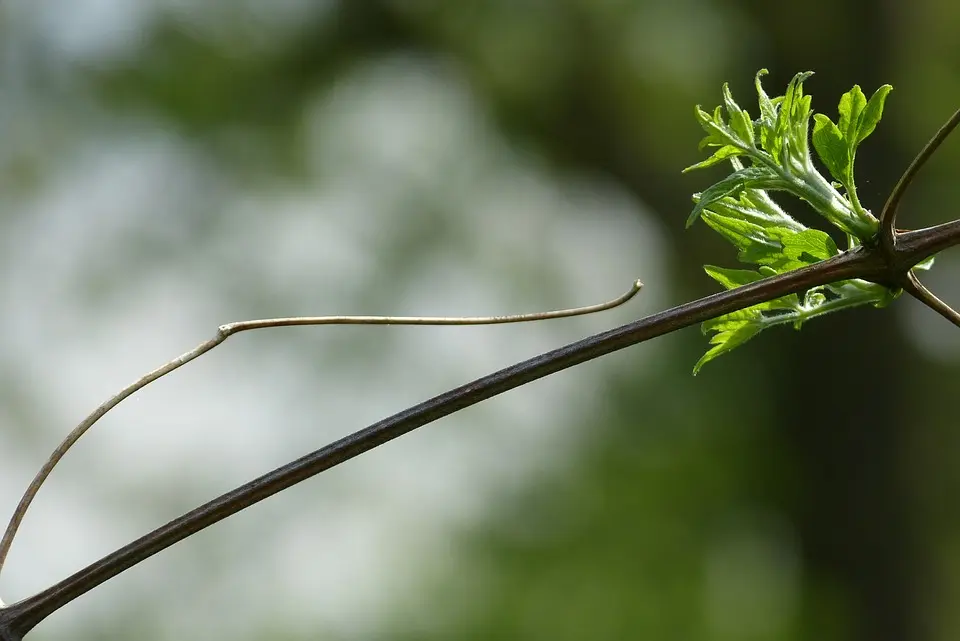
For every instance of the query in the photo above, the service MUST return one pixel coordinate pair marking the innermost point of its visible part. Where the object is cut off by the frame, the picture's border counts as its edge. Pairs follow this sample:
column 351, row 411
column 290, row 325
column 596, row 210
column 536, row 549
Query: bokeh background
column 170, row 165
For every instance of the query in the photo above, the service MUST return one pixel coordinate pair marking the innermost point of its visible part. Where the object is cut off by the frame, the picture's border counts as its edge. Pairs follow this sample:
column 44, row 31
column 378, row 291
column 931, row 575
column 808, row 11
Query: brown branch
column 866, row 263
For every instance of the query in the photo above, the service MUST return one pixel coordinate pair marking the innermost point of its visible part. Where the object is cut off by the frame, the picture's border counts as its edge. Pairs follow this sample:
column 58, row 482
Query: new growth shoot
column 771, row 153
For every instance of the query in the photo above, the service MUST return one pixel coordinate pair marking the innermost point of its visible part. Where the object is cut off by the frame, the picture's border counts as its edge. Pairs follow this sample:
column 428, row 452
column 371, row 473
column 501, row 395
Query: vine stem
column 918, row 290
column 867, row 263
column 224, row 332
column 888, row 216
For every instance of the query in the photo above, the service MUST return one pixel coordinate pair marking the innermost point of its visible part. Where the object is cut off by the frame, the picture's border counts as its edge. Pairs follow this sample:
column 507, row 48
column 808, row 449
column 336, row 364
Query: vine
column 800, row 274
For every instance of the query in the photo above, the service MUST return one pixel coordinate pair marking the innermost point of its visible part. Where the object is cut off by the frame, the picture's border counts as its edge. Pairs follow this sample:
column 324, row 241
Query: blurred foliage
column 756, row 503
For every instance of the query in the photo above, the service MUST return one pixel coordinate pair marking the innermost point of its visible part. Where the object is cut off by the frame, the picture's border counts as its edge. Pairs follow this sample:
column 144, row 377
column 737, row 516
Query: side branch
column 225, row 331
column 918, row 290
column 888, row 217
column 859, row 263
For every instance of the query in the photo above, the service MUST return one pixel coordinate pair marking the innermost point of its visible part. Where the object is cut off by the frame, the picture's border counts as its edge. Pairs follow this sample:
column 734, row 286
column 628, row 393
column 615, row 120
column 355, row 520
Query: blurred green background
column 168, row 166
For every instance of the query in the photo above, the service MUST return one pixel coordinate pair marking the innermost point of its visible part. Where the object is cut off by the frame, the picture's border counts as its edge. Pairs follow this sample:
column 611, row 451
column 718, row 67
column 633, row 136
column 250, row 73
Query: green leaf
column 747, row 177
column 851, row 107
column 712, row 124
column 801, row 126
column 756, row 245
column 733, row 278
column 872, row 112
column 709, row 141
column 831, row 147
column 768, row 118
column 726, row 341
column 725, row 152
column 779, row 248
column 809, row 246
column 925, row 264
column 767, row 245
column 740, row 122
column 739, row 133
column 732, row 321
column 793, row 109
column 769, row 209
column 755, row 206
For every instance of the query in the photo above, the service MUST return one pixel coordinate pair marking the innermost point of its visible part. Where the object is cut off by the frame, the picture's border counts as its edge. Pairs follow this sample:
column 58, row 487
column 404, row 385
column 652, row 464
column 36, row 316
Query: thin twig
column 224, row 331
column 888, row 217
column 915, row 288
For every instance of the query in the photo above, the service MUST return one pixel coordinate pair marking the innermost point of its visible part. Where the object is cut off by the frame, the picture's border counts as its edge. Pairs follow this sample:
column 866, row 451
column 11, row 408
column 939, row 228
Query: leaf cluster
column 772, row 153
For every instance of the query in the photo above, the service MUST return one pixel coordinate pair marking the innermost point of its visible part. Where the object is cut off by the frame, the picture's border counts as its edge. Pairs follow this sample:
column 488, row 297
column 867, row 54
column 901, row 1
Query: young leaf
column 732, row 321
column 724, row 153
column 809, row 246
column 770, row 210
column 801, row 128
column 851, row 106
column 768, row 115
column 780, row 248
column 740, row 122
column 757, row 245
column 791, row 111
column 717, row 134
column 747, row 177
column 732, row 278
column 831, row 147
column 755, row 206
column 726, row 341
column 872, row 112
